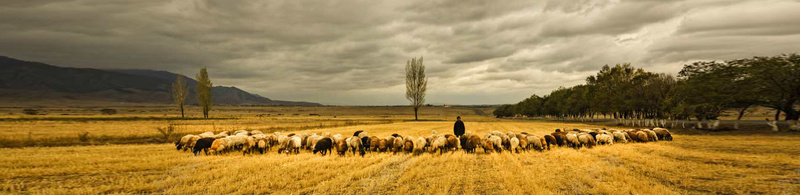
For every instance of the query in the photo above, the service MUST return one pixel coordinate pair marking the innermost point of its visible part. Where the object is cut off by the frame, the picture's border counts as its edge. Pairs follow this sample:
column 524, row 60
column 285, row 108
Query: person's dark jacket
column 458, row 128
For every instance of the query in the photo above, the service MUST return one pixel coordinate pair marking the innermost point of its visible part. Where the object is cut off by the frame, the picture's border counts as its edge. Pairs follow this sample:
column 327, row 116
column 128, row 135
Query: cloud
column 354, row 52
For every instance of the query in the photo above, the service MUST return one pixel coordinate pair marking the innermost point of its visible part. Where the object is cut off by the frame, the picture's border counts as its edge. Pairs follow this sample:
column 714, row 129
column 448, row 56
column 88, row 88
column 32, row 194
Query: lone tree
column 204, row 91
column 416, row 84
column 179, row 93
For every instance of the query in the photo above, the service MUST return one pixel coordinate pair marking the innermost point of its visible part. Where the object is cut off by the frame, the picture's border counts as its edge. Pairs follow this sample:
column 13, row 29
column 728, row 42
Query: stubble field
column 749, row 162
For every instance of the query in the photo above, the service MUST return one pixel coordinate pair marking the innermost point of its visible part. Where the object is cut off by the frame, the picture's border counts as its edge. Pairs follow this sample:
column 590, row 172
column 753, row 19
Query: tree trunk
column 182, row 116
column 416, row 118
column 741, row 113
column 777, row 114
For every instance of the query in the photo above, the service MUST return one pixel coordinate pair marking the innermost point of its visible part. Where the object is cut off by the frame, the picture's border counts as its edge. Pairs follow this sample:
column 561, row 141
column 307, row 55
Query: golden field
column 741, row 162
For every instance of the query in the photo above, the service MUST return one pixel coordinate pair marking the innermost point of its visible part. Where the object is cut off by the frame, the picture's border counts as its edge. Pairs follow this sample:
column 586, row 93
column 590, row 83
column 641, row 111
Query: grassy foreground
column 717, row 163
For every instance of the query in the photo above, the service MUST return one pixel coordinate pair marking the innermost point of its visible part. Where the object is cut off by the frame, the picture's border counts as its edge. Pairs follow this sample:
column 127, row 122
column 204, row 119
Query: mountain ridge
column 21, row 79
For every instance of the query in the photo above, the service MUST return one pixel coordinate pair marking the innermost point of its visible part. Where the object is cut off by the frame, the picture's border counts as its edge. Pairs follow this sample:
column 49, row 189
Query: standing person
column 458, row 128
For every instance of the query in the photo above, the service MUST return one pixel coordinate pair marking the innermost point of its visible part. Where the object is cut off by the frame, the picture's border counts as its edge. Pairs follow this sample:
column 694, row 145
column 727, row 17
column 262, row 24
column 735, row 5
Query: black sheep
column 323, row 146
column 365, row 141
column 202, row 144
column 357, row 132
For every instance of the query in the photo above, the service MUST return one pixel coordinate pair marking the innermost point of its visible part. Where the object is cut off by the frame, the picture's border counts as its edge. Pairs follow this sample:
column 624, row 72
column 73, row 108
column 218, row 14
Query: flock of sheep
column 249, row 142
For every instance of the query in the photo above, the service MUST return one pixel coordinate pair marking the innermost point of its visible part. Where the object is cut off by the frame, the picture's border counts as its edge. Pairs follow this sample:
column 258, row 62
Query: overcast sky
column 354, row 52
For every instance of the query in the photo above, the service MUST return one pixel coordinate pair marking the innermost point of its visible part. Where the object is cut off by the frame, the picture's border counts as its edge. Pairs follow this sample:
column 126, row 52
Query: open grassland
column 694, row 163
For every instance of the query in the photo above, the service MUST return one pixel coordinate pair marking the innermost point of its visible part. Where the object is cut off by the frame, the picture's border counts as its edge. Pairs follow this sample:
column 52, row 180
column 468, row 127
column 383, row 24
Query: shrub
column 83, row 137
column 166, row 132
column 108, row 111
column 30, row 111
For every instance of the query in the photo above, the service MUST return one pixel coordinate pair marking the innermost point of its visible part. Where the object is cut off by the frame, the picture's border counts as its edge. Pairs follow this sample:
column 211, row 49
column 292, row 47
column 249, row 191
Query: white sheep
column 605, row 139
column 619, row 137
column 514, row 144
column 419, row 145
column 535, row 142
column 337, row 137
column 497, row 143
column 206, row 134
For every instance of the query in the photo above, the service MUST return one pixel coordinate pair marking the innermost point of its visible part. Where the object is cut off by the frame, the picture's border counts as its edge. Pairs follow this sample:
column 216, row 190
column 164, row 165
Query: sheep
column 184, row 141
column 220, row 135
column 256, row 132
column 439, row 144
column 652, row 135
column 619, row 137
column 585, row 140
column 419, row 145
column 634, row 137
column 641, row 136
column 497, row 143
column 310, row 140
column 356, row 145
column 560, row 137
column 293, row 144
column 663, row 134
column 239, row 132
column 550, row 140
column 383, row 144
column 572, row 141
column 473, row 142
column 505, row 141
column 374, row 143
column 408, row 144
column 452, row 143
column 341, row 147
column 249, row 145
column 487, row 145
column 535, row 143
column 398, row 144
column 604, row 139
column 206, row 134
column 337, row 137
column 511, row 134
column 514, row 144
column 365, row 140
column 202, row 144
column 282, row 143
column 237, row 141
column 323, row 146
column 192, row 141
column 218, row 146
column 524, row 144
column 389, row 143
column 544, row 143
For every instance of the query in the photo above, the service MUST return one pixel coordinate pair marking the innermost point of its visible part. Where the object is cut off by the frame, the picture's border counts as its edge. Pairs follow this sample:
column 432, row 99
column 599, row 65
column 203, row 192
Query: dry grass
column 718, row 163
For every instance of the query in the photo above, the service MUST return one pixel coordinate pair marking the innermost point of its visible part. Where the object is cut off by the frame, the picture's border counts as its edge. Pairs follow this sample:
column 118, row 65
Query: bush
column 83, row 137
column 30, row 111
column 166, row 132
column 108, row 111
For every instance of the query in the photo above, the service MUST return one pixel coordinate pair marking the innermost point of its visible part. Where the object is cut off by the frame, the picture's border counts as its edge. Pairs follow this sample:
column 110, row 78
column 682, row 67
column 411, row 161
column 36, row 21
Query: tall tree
column 204, row 91
column 777, row 81
column 416, row 84
column 179, row 93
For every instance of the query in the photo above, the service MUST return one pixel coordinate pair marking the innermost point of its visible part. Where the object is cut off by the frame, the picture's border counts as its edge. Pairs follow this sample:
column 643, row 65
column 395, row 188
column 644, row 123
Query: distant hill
column 23, row 80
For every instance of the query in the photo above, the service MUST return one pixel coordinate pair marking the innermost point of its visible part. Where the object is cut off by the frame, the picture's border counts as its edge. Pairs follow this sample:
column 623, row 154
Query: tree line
column 702, row 90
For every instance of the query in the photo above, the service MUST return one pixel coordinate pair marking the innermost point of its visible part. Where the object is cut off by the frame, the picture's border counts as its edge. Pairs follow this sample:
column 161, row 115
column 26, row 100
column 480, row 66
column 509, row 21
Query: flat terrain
column 739, row 162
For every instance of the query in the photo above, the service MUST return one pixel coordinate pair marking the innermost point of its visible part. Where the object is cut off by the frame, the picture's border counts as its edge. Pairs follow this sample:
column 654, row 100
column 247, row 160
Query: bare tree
column 179, row 93
column 416, row 84
column 204, row 91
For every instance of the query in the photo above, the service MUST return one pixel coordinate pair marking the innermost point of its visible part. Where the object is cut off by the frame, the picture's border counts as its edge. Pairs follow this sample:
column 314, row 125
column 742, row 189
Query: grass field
column 741, row 162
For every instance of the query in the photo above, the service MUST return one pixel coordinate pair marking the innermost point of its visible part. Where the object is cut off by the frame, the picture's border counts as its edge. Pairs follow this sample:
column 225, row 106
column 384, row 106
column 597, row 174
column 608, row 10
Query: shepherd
column 458, row 128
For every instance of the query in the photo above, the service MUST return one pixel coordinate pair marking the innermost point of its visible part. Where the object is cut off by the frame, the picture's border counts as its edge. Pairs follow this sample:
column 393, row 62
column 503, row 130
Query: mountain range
column 31, row 81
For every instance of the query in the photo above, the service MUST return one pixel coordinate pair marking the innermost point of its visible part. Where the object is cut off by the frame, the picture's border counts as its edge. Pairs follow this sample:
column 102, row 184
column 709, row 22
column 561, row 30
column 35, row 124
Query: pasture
column 739, row 162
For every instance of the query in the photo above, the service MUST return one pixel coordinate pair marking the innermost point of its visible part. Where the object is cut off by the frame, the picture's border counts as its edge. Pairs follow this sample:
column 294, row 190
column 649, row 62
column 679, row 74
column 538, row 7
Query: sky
column 353, row 52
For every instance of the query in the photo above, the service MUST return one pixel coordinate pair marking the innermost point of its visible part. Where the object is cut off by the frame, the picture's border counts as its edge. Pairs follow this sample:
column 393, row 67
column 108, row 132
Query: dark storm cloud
column 354, row 52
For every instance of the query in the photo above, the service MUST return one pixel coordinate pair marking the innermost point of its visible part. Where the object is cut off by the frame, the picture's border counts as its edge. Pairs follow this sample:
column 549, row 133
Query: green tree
column 416, row 84
column 204, row 91
column 179, row 93
column 775, row 81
